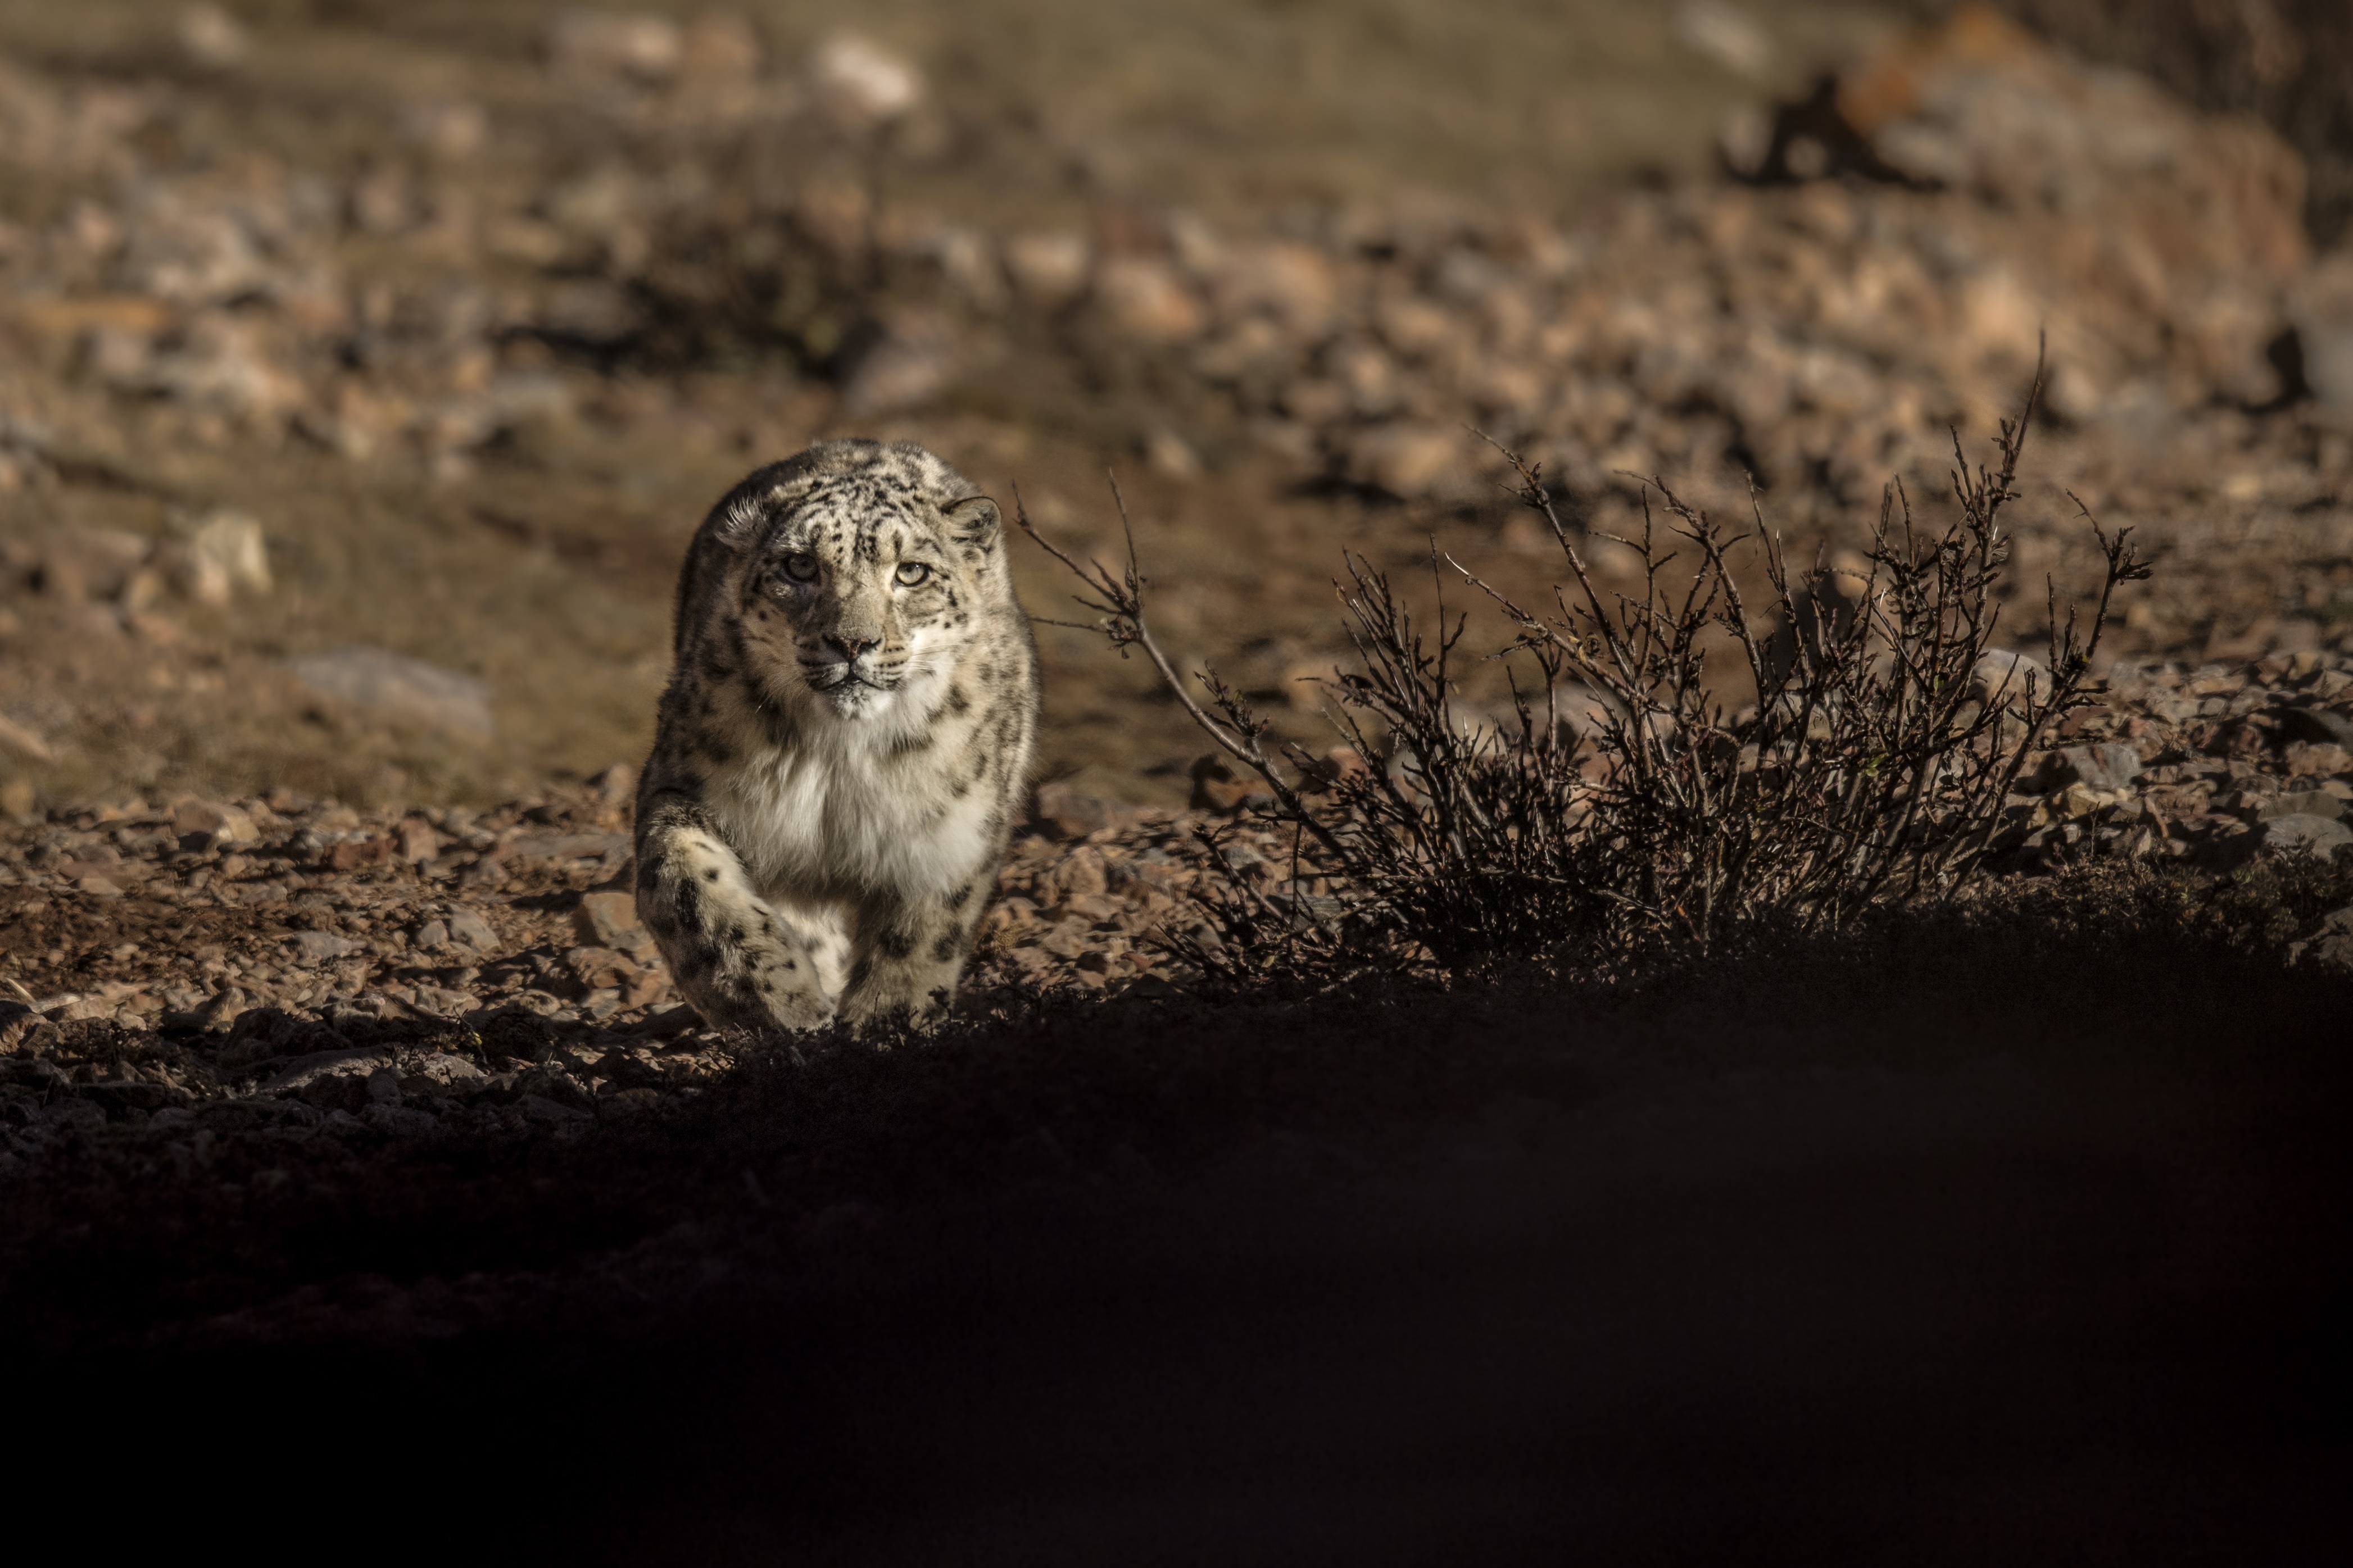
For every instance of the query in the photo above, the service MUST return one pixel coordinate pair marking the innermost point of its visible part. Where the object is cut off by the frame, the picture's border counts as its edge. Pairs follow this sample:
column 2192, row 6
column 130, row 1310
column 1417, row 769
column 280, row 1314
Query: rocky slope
column 350, row 437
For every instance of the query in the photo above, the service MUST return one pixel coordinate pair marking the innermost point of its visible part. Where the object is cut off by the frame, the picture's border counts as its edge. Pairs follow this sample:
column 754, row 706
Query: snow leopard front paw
column 760, row 980
column 734, row 959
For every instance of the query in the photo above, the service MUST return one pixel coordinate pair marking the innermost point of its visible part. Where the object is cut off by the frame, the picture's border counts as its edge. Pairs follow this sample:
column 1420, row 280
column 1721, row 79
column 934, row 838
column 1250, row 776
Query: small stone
column 299, row 1074
column 443, row 1070
column 419, row 841
column 1408, row 460
column 2321, row 837
column 211, row 37
column 614, row 45
column 1293, row 283
column 1070, row 814
column 217, row 1015
column 1081, row 875
column 600, row 968
column 320, row 946
column 1141, row 299
column 862, row 84
column 2305, row 803
column 430, row 937
column 358, row 854
column 401, row 688
column 2010, row 677
column 384, row 1085
column 610, row 919
column 220, row 822
column 231, row 545
column 1728, row 37
column 1048, row 271
column 442, row 1001
column 1171, row 454
column 2111, row 766
column 469, row 928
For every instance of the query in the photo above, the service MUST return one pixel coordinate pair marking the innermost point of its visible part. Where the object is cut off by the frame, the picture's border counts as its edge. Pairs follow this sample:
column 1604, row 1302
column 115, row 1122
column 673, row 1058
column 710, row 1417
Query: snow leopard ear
column 738, row 521
column 972, row 520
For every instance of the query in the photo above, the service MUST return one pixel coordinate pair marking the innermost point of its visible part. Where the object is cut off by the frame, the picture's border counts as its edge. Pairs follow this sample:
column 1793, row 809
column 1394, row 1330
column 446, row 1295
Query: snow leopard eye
column 801, row 568
column 911, row 573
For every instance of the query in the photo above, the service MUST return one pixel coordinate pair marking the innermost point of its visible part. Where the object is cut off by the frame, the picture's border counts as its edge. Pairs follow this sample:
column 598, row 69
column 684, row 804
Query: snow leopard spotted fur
column 843, row 745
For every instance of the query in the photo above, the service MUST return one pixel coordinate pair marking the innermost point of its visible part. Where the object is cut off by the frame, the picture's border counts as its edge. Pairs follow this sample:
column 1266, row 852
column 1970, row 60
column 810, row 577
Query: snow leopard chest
column 856, row 808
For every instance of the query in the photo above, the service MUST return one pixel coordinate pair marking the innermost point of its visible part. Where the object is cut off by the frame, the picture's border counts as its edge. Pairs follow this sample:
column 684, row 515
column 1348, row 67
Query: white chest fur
column 850, row 808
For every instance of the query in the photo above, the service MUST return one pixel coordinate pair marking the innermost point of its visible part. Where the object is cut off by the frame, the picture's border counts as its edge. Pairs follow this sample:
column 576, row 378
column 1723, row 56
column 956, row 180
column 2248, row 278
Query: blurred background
column 368, row 364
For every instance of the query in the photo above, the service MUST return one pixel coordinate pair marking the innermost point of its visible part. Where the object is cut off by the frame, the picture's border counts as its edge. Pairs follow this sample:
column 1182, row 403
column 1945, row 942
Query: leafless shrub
column 1864, row 760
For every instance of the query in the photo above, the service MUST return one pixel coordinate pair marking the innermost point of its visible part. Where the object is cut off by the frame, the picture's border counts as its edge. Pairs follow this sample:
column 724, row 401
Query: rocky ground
column 365, row 384
column 205, row 965
column 443, row 970
column 367, row 373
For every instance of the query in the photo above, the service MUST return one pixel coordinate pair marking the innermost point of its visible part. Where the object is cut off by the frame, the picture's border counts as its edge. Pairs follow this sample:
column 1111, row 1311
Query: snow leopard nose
column 851, row 645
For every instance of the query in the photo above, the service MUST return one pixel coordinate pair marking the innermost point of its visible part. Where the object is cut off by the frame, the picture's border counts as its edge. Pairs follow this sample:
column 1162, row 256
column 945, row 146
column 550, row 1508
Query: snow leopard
column 844, row 744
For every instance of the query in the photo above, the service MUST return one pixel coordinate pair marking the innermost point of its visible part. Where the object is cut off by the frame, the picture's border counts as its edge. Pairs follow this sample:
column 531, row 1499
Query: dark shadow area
column 2012, row 1236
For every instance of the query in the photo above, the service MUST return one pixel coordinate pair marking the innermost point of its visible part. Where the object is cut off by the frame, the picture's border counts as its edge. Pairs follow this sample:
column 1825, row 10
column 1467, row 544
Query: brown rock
column 1141, row 298
column 649, row 987
column 1409, row 460
column 1082, row 872
column 1293, row 283
column 400, row 687
column 223, row 822
column 1048, row 270
column 357, row 854
column 232, row 545
column 419, row 841
column 607, row 46
column 610, row 921
column 598, row 968
column 862, row 85
column 1070, row 814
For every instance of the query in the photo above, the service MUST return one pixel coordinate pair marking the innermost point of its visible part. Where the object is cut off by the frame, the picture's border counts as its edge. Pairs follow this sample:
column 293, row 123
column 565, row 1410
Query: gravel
column 281, row 958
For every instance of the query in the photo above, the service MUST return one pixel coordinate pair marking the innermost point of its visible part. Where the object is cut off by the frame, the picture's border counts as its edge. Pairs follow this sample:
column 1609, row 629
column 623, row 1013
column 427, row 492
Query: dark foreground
column 2014, row 1239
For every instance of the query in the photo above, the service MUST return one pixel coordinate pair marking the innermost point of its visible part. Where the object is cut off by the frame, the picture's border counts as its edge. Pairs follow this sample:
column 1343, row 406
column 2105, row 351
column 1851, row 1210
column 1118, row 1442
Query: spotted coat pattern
column 844, row 742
